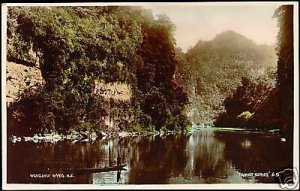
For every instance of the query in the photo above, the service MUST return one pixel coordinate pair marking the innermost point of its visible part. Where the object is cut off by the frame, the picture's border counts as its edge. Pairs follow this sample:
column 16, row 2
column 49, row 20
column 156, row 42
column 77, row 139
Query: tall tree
column 285, row 67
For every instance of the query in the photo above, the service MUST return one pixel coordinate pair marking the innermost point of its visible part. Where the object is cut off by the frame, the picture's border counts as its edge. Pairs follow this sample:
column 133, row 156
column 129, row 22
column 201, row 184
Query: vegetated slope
column 77, row 46
column 211, row 70
column 257, row 105
column 242, row 105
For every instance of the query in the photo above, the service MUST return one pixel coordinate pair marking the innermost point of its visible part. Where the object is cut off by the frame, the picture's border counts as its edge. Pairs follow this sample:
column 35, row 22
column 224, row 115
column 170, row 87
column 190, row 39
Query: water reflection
column 156, row 159
column 205, row 156
column 256, row 152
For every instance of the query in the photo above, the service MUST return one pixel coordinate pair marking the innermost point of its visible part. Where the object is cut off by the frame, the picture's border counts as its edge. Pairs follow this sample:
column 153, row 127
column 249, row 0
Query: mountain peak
column 228, row 33
column 232, row 37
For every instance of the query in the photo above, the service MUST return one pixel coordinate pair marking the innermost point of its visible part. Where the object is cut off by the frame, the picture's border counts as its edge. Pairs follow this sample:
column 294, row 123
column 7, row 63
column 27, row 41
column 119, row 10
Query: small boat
column 96, row 170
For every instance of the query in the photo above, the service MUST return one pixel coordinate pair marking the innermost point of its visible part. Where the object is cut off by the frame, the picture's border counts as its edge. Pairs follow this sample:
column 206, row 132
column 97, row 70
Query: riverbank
column 84, row 136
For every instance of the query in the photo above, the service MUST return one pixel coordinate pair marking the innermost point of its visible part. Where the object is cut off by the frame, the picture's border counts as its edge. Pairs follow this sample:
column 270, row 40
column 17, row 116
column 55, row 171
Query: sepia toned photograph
column 179, row 95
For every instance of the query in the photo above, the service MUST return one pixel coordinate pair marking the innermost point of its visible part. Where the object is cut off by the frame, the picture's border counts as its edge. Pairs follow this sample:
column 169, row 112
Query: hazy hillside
column 211, row 70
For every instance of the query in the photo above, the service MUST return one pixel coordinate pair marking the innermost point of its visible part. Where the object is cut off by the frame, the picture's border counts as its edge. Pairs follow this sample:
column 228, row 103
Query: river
column 203, row 156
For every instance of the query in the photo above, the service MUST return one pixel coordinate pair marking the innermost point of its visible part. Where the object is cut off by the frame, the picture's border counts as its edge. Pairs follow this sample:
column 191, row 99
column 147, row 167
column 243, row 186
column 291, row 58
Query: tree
column 77, row 46
column 161, row 97
column 243, row 104
column 285, row 67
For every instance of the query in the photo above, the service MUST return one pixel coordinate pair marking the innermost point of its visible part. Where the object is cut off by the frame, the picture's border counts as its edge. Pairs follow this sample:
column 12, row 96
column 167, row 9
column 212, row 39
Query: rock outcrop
column 19, row 78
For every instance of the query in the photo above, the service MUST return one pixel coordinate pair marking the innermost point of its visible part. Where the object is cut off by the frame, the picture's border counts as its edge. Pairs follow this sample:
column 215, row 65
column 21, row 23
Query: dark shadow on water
column 205, row 156
column 257, row 153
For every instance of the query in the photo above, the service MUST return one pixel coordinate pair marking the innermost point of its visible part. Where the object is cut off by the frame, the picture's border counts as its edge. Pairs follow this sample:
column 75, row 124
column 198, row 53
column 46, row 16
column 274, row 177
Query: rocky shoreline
column 84, row 136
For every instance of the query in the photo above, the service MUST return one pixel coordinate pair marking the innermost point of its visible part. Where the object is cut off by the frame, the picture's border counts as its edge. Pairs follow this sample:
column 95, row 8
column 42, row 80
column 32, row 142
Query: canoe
column 96, row 170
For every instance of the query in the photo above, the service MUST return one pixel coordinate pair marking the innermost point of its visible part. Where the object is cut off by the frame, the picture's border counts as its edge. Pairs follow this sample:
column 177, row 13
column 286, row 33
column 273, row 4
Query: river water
column 203, row 156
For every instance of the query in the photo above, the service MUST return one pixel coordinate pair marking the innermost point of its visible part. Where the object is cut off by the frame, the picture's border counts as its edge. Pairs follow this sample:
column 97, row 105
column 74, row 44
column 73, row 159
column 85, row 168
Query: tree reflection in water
column 205, row 156
column 256, row 152
column 156, row 159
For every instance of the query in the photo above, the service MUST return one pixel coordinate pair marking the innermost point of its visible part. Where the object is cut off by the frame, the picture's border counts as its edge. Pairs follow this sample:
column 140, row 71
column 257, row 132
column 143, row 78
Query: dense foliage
column 162, row 98
column 285, row 65
column 74, row 46
column 242, row 104
column 212, row 70
column 268, row 106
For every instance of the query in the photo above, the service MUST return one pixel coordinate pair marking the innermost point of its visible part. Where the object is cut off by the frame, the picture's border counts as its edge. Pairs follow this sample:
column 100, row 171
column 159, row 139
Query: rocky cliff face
column 19, row 78
column 116, row 91
column 115, row 97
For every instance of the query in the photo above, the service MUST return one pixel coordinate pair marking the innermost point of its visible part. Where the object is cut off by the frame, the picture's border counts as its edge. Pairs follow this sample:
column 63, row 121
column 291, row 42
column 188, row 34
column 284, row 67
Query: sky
column 203, row 22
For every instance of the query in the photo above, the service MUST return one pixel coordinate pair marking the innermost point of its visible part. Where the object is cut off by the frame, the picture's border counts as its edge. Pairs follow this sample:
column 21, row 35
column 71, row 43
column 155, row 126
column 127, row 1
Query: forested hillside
column 260, row 106
column 211, row 70
column 75, row 47
column 85, row 54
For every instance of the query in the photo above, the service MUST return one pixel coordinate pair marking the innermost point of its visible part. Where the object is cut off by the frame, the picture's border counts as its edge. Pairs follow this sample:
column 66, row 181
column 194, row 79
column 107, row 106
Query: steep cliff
column 76, row 46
